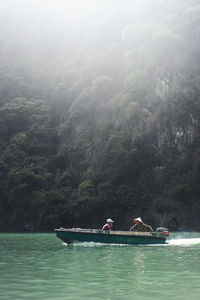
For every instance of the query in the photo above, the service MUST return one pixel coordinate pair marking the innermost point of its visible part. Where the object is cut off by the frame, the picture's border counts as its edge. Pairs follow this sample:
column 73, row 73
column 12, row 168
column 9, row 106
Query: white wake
column 184, row 242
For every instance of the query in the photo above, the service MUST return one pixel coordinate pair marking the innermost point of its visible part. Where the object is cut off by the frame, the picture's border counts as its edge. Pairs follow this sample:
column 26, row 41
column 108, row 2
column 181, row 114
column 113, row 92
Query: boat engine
column 163, row 230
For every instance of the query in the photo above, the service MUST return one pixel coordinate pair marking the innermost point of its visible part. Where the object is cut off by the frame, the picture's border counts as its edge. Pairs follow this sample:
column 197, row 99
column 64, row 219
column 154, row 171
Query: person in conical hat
column 137, row 220
column 140, row 226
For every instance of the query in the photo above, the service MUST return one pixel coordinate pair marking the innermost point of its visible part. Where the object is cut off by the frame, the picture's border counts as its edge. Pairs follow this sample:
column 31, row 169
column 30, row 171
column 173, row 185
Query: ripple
column 38, row 266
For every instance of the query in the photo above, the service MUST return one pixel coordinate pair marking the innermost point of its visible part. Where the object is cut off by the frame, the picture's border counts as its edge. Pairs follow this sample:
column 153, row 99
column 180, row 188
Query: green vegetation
column 104, row 122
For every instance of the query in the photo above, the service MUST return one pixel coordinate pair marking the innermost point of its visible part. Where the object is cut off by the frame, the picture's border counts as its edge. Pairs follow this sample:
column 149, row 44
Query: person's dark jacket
column 141, row 227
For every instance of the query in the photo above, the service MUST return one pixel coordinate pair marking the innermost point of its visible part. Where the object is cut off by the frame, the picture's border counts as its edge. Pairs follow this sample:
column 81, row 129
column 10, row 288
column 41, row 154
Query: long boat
column 112, row 237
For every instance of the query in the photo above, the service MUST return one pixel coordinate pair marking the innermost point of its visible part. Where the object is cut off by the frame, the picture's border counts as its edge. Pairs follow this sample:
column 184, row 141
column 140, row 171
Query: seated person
column 108, row 225
column 140, row 226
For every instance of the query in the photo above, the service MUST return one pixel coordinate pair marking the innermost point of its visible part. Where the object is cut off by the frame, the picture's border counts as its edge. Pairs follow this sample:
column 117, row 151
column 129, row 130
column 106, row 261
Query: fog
column 92, row 38
column 37, row 32
column 99, row 113
column 87, row 21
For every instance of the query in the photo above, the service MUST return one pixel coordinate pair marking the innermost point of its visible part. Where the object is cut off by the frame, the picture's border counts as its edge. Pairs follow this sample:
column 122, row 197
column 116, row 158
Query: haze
column 99, row 113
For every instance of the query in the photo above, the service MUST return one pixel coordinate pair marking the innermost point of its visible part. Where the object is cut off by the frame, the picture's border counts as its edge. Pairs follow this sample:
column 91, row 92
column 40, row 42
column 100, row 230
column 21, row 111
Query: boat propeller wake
column 184, row 242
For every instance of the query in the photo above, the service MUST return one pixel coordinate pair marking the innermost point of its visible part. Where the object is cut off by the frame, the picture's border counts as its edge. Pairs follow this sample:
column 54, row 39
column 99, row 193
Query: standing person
column 108, row 225
column 140, row 226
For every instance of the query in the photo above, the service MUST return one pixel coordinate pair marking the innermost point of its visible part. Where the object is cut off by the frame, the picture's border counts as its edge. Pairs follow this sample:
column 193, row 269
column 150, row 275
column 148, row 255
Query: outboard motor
column 163, row 230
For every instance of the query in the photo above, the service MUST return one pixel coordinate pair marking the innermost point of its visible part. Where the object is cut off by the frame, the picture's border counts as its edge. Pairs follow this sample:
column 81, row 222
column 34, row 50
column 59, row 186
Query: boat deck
column 105, row 236
column 113, row 232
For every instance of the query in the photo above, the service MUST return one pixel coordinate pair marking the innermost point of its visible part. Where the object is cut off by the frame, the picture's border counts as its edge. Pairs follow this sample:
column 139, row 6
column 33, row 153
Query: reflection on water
column 39, row 266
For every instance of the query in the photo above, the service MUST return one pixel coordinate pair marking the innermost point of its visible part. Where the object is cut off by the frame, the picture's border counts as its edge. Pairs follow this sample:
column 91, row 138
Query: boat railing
column 113, row 232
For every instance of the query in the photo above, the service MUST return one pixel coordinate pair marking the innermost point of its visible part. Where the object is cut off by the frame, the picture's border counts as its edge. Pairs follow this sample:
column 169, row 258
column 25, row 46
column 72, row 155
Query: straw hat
column 138, row 219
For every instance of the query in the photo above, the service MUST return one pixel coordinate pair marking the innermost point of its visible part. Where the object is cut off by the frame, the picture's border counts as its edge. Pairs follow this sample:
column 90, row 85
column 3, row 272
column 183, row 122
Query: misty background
column 99, row 113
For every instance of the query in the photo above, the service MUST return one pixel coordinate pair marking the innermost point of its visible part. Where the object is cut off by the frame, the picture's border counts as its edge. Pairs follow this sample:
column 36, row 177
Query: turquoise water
column 40, row 266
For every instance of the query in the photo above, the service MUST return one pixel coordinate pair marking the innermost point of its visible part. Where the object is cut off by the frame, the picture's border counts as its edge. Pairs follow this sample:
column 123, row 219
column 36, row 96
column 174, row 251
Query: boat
column 111, row 237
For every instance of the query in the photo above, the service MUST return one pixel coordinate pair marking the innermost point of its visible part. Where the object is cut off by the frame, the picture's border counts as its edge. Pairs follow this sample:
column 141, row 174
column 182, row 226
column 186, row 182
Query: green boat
column 110, row 237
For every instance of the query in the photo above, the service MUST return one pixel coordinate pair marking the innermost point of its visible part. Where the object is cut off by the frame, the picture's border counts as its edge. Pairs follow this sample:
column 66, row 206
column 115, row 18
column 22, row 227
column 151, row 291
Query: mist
column 99, row 113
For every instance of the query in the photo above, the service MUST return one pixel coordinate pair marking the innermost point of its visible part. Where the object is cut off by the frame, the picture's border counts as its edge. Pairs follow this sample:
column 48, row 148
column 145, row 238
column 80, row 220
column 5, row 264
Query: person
column 140, row 226
column 108, row 225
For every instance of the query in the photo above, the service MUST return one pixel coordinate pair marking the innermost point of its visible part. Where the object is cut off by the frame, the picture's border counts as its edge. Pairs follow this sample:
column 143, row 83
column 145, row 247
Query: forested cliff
column 99, row 114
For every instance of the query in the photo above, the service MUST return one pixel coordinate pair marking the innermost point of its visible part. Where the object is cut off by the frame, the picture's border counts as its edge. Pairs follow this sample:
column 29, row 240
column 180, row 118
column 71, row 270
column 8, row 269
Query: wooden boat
column 111, row 237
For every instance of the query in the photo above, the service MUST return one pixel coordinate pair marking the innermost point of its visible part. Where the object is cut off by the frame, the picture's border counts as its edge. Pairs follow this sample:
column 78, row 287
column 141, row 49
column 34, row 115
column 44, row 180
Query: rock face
column 100, row 117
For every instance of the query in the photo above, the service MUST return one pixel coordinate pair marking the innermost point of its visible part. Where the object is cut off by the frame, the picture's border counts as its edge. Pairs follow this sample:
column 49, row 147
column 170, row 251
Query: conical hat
column 138, row 219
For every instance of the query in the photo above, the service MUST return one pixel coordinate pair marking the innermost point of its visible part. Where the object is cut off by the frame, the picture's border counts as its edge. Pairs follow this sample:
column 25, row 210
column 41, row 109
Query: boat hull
column 110, row 237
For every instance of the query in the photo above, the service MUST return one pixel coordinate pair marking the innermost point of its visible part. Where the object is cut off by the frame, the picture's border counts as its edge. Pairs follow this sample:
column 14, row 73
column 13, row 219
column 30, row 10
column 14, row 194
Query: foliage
column 101, row 124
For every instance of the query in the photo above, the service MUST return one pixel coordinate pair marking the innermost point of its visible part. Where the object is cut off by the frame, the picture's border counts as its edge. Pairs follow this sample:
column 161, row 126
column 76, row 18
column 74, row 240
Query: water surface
column 39, row 266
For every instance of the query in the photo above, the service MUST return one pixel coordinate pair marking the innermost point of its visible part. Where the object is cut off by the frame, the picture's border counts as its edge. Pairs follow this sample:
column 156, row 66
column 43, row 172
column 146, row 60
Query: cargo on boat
column 112, row 237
